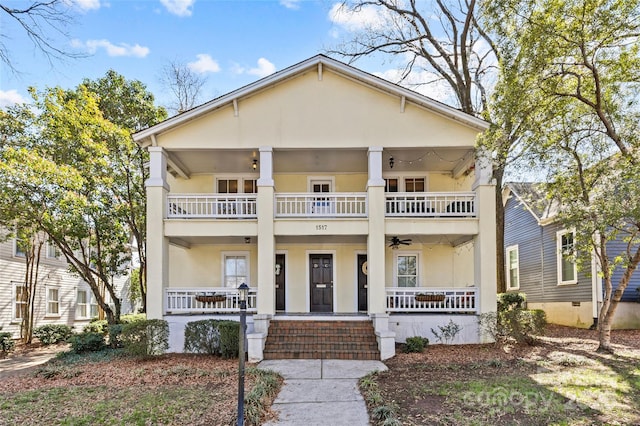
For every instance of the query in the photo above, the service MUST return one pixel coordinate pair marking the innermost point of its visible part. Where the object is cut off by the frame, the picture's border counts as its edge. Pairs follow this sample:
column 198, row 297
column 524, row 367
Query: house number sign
column 321, row 227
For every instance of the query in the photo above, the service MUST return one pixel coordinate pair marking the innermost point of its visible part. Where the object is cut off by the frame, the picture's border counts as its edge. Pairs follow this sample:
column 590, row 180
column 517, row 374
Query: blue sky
column 232, row 43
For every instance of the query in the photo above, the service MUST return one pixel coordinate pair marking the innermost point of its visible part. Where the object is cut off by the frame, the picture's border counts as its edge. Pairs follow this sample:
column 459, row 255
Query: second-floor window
column 227, row 186
column 414, row 184
column 566, row 253
column 53, row 252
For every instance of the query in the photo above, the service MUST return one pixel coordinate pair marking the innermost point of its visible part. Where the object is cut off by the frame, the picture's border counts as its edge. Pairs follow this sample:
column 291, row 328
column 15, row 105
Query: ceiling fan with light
column 395, row 242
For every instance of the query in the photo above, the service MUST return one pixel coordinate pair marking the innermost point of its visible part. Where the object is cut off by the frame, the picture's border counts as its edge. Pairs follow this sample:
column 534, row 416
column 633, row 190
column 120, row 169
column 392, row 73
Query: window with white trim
column 250, row 186
column 19, row 249
column 82, row 304
column 512, row 262
column 53, row 301
column 93, row 307
column 236, row 269
column 406, row 270
column 53, row 252
column 19, row 301
column 227, row 186
column 566, row 255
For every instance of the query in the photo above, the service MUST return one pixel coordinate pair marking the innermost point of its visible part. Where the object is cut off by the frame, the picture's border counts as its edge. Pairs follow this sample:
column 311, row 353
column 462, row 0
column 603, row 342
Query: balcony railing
column 429, row 299
column 314, row 205
column 326, row 204
column 207, row 300
column 236, row 206
column 430, row 204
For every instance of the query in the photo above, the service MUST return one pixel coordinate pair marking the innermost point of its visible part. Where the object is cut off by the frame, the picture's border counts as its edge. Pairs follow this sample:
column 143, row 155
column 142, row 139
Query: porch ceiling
column 321, row 160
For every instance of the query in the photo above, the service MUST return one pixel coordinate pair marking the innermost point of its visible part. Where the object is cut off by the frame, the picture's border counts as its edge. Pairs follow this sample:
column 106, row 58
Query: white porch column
column 376, row 256
column 266, row 239
column 157, row 244
column 376, row 240
column 485, row 242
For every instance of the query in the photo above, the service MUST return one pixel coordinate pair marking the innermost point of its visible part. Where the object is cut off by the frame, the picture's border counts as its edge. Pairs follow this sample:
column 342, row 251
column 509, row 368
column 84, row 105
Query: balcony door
column 321, row 205
column 321, row 282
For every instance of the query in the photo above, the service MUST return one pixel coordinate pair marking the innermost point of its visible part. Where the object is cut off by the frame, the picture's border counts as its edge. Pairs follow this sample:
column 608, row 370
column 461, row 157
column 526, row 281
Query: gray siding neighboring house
column 530, row 229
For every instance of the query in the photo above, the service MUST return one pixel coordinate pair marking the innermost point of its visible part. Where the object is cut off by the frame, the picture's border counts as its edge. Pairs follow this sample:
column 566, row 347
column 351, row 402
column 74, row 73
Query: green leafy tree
column 61, row 176
column 128, row 105
column 583, row 56
column 447, row 44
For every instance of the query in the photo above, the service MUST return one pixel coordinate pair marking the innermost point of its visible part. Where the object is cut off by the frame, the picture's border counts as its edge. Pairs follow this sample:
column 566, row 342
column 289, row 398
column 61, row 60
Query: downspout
column 596, row 290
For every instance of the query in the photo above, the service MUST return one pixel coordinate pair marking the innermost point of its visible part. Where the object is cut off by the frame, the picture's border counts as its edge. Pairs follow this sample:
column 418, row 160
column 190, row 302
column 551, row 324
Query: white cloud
column 179, row 7
column 123, row 49
column 204, row 64
column 263, row 69
column 367, row 17
column 10, row 97
column 290, row 4
column 86, row 5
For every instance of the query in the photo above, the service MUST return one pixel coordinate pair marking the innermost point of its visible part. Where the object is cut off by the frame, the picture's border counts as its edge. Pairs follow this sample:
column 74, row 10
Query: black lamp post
column 243, row 291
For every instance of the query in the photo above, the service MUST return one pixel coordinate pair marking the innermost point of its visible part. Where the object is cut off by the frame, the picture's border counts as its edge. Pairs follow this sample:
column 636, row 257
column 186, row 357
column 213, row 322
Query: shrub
column 7, row 344
column 129, row 318
column 415, row 344
column 513, row 322
column 87, row 341
column 202, row 337
column 50, row 334
column 145, row 338
column 229, row 339
column 510, row 301
column 96, row 326
column 115, row 331
column 447, row 332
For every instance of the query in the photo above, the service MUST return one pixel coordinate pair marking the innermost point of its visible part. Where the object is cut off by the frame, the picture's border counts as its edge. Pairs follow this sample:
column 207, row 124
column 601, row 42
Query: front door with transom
column 321, row 277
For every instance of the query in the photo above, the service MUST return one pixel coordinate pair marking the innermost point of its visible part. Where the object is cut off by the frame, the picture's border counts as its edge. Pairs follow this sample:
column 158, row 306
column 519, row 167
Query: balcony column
column 157, row 244
column 485, row 242
column 266, row 239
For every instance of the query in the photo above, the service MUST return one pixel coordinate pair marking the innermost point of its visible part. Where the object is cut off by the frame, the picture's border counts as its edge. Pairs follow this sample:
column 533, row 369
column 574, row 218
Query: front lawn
column 107, row 388
column 561, row 380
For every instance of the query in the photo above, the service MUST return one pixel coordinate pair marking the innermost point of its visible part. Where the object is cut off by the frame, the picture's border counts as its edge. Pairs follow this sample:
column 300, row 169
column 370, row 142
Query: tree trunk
column 501, row 285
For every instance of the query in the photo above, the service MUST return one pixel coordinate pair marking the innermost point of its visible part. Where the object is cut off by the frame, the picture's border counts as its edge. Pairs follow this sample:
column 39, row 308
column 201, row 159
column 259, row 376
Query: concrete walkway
column 320, row 392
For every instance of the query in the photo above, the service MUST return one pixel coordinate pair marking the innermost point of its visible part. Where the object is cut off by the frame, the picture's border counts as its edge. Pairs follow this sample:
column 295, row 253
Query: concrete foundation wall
column 420, row 325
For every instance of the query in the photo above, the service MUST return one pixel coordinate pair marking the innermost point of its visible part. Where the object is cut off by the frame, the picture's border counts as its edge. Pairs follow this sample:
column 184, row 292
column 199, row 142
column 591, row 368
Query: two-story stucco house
column 337, row 197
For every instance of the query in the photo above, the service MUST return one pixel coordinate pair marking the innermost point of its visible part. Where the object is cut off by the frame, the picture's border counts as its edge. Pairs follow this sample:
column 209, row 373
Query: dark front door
column 321, row 273
column 362, row 282
column 280, row 274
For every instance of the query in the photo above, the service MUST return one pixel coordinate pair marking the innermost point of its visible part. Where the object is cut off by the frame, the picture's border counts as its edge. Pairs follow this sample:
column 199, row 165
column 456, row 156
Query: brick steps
column 314, row 339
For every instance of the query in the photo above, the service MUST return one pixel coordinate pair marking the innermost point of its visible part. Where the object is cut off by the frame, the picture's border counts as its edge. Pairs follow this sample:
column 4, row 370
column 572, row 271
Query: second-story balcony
column 322, row 205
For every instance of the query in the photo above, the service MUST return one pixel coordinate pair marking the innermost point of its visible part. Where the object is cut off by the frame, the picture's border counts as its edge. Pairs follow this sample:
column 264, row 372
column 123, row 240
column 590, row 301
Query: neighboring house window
column 20, row 302
column 93, row 307
column 82, row 304
column 407, row 270
column 565, row 243
column 53, row 301
column 19, row 249
column 513, row 268
column 53, row 252
column 236, row 269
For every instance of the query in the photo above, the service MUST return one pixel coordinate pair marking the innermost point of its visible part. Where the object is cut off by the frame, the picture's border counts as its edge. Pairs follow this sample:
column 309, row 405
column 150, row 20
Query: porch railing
column 430, row 204
column 185, row 206
column 430, row 299
column 326, row 204
column 207, row 300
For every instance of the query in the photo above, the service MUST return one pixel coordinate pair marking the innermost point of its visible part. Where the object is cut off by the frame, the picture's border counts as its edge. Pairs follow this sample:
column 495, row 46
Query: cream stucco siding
column 201, row 265
column 305, row 112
